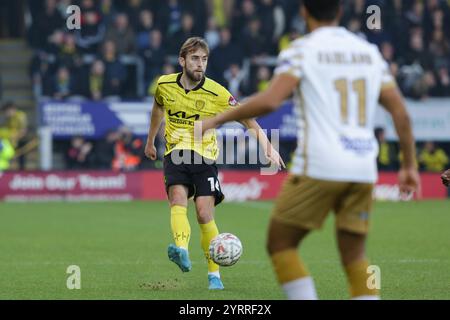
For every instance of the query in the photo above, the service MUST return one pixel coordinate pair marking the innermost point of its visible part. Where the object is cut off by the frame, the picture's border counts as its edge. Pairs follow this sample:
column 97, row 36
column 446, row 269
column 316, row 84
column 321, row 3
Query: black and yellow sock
column 208, row 232
column 357, row 277
column 179, row 223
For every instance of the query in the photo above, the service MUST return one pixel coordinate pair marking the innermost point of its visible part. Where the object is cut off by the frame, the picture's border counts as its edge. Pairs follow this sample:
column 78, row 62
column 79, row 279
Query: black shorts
column 201, row 179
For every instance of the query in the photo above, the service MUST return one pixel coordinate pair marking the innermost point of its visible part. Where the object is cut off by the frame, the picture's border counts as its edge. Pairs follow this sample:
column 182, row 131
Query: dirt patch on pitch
column 161, row 285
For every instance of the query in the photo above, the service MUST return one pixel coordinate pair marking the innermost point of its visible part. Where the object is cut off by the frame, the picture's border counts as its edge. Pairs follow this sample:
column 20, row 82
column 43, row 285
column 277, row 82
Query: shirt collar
column 198, row 86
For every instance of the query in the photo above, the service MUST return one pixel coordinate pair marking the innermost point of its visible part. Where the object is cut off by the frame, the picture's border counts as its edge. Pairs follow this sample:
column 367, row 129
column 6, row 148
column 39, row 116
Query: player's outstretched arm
column 446, row 178
column 155, row 123
column 264, row 142
column 391, row 99
column 259, row 104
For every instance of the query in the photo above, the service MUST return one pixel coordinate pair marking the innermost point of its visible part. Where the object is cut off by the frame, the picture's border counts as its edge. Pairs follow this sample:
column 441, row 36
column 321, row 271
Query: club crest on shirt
column 199, row 104
column 232, row 101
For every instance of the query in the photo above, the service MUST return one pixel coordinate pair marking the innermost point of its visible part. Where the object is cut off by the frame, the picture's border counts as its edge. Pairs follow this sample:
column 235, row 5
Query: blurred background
column 81, row 99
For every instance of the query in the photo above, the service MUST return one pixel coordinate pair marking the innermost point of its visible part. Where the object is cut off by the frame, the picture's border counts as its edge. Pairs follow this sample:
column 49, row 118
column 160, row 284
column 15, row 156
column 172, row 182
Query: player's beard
column 194, row 76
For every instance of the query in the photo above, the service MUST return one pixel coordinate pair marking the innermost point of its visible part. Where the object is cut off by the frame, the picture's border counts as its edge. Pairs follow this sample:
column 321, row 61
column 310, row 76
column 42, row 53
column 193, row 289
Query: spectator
column 79, row 155
column 252, row 41
column 105, row 149
column 298, row 23
column 69, row 56
column 92, row 30
column 212, row 34
column 386, row 155
column 63, row 85
column 354, row 25
column 274, row 22
column 108, row 12
column 169, row 17
column 6, row 154
column 263, row 76
column 441, row 84
column 439, row 48
column 387, row 51
column 417, row 52
column 432, row 159
column 121, row 35
column 415, row 16
column 146, row 26
column 413, row 37
column 55, row 42
column 154, row 56
column 15, row 128
column 220, row 11
column 234, row 77
column 128, row 151
column 97, row 80
column 223, row 56
column 115, row 72
column 244, row 12
column 133, row 10
column 286, row 40
column 45, row 24
column 179, row 37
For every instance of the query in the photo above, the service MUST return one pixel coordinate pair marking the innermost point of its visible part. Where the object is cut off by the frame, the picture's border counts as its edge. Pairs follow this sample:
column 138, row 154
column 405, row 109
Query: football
column 225, row 249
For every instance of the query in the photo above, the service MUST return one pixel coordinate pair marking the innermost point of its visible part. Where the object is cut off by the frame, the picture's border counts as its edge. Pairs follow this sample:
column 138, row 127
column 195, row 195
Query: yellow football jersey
column 184, row 107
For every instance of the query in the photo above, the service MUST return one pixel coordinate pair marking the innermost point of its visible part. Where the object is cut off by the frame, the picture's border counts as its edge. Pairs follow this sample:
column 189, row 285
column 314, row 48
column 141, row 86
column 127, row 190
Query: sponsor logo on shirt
column 357, row 145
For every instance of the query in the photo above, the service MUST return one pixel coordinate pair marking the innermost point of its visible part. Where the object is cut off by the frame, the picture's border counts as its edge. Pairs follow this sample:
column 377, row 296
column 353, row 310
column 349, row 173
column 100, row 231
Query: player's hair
column 323, row 10
column 193, row 44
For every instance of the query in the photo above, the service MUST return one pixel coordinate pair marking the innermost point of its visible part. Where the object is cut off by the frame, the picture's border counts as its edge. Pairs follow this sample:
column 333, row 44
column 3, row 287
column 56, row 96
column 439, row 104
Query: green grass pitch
column 121, row 249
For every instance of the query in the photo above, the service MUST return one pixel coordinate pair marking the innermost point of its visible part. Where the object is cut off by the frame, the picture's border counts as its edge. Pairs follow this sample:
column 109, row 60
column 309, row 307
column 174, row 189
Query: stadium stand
column 123, row 46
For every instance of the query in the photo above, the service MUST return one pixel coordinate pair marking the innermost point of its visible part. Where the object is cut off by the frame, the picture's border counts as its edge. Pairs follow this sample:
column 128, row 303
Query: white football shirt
column 341, row 76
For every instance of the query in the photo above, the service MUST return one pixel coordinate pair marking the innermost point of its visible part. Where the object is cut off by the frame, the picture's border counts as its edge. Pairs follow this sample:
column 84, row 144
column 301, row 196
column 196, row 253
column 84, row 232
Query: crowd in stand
column 118, row 38
column 89, row 62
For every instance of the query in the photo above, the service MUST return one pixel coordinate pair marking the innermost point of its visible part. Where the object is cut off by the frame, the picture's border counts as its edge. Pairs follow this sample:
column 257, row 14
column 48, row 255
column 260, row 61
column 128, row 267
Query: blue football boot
column 180, row 257
column 215, row 283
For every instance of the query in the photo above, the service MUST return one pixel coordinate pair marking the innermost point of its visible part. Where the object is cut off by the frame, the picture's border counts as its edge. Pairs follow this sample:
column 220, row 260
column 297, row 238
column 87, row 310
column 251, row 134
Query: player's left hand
column 446, row 178
column 275, row 158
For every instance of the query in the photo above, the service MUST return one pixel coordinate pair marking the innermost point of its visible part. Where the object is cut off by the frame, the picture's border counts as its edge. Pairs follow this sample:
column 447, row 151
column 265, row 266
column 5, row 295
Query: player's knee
column 178, row 199
column 204, row 214
column 351, row 246
column 276, row 244
column 350, row 255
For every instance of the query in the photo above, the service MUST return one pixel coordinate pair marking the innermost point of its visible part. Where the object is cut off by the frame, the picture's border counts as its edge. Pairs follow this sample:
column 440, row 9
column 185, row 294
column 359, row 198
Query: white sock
column 366, row 298
column 215, row 273
column 300, row 289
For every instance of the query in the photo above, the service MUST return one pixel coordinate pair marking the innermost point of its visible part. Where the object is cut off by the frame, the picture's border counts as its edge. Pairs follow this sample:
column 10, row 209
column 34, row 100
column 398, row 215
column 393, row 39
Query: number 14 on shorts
column 214, row 184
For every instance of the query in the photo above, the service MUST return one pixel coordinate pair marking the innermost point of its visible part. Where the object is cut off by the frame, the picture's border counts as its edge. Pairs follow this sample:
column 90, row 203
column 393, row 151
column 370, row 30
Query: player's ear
column 182, row 62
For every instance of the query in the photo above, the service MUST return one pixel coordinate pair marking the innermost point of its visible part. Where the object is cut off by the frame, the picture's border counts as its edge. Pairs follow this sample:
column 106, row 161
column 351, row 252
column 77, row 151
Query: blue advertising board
column 93, row 119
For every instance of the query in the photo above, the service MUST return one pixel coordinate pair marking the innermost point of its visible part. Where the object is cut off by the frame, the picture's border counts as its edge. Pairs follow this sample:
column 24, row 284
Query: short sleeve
column 158, row 97
column 387, row 79
column 226, row 100
column 290, row 61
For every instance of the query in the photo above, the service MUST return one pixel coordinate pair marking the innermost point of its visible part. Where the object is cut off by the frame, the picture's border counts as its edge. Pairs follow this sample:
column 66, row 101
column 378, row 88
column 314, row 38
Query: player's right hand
column 446, row 178
column 409, row 182
column 150, row 152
